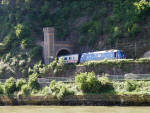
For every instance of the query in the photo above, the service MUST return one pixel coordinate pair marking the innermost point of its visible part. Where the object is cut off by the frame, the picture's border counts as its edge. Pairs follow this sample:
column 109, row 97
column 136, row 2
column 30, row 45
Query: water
column 72, row 109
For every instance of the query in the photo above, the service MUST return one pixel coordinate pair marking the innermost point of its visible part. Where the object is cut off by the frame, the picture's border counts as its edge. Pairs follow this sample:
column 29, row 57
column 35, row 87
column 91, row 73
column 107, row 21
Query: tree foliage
column 89, row 22
column 33, row 81
column 10, row 86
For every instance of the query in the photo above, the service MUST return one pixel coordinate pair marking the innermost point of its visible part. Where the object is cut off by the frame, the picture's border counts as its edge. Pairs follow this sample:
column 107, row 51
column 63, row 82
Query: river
column 73, row 109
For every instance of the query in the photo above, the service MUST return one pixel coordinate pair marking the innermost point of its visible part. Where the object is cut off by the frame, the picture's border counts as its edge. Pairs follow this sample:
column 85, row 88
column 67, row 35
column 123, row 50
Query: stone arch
column 63, row 51
column 53, row 48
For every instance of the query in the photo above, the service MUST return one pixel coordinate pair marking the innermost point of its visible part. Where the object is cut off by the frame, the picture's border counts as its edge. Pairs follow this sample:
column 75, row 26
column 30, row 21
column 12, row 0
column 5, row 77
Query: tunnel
column 63, row 52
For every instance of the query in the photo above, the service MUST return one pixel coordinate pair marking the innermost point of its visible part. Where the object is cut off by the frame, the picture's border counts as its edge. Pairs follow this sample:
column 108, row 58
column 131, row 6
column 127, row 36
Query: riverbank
column 86, row 90
column 94, row 100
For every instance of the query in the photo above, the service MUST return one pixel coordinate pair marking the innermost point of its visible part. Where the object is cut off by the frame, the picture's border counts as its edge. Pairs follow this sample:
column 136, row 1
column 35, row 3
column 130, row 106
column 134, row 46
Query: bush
column 8, row 43
column 142, row 6
column 33, row 81
column 47, row 91
column 130, row 85
column 20, row 83
column 60, row 90
column 88, row 83
column 53, row 86
column 64, row 91
column 22, row 31
column 27, row 43
column 54, row 68
column 10, row 86
column 25, row 89
column 36, row 53
column 59, row 67
column 107, row 85
column 38, row 68
column 1, row 89
column 134, row 30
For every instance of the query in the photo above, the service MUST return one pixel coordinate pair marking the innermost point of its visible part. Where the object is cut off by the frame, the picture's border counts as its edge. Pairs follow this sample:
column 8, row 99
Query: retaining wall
column 78, row 100
column 116, row 67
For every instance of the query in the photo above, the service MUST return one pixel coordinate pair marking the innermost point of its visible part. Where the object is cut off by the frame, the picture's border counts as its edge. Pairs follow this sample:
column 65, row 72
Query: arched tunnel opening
column 63, row 52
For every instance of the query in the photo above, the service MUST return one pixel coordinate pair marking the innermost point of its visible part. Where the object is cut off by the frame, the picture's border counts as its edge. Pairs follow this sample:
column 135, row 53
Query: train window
column 115, row 54
column 69, row 58
column 99, row 55
column 65, row 58
column 123, row 54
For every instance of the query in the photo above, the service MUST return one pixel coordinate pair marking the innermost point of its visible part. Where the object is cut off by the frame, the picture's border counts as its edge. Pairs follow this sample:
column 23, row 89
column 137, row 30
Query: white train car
column 72, row 58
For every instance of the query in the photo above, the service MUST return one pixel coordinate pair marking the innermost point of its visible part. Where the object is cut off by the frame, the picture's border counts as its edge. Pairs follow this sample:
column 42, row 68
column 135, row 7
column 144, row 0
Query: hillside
column 89, row 24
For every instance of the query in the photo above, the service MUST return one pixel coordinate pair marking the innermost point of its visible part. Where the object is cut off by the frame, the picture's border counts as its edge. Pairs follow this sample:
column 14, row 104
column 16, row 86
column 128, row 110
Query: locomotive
column 94, row 56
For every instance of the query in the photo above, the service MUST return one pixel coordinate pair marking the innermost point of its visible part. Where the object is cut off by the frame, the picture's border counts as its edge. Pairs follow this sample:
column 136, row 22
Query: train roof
column 69, row 55
column 105, row 51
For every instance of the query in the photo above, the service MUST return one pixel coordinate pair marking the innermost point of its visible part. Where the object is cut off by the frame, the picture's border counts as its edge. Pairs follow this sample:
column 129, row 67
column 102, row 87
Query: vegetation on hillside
column 89, row 21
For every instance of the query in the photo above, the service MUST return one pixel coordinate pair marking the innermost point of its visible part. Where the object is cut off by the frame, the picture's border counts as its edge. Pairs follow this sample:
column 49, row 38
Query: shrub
column 118, row 86
column 25, row 89
column 47, row 91
column 60, row 90
column 38, row 68
column 59, row 67
column 52, row 65
column 64, row 91
column 130, row 85
column 53, row 86
column 142, row 6
column 107, row 85
column 116, row 32
column 33, row 81
column 80, row 80
column 1, row 89
column 88, row 83
column 36, row 53
column 55, row 67
column 20, row 83
column 8, row 43
column 134, row 30
column 10, row 86
column 27, row 43
column 22, row 31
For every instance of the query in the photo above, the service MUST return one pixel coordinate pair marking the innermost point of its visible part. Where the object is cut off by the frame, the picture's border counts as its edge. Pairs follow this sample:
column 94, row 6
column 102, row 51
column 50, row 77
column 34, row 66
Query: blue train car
column 101, row 55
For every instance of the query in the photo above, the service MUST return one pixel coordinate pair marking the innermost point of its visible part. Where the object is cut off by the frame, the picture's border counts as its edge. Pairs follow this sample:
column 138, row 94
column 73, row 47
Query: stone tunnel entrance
column 63, row 52
column 53, row 48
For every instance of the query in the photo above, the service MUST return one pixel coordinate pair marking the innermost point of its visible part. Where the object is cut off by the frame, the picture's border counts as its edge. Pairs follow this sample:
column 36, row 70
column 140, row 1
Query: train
column 94, row 56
